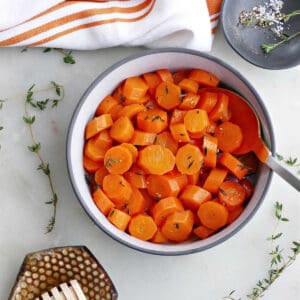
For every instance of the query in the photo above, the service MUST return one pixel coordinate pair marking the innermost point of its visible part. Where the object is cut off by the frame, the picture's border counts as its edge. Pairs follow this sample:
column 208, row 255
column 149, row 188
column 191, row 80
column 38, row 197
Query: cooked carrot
column 166, row 140
column 164, row 207
column 178, row 226
column 168, row 95
column 118, row 160
column 97, row 124
column 166, row 185
column 119, row 218
column 188, row 85
column 234, row 214
column 136, row 177
column 103, row 139
column 132, row 149
column 234, row 166
column 150, row 201
column 189, row 101
column 105, row 105
column 141, row 100
column 117, row 188
column 118, row 93
column 179, row 132
column 203, row 232
column 165, row 75
column 210, row 149
column 189, row 159
column 196, row 120
column 204, row 78
column 220, row 112
column 135, row 88
column 91, row 165
column 137, row 203
column 141, row 138
column 229, row 136
column 142, row 227
column 152, row 120
column 194, row 178
column 231, row 194
column 177, row 116
column 180, row 75
column 158, row 237
column 131, row 110
column 122, row 130
column 103, row 202
column 207, row 101
column 213, row 215
column 248, row 187
column 100, row 174
column 215, row 178
column 93, row 151
column 115, row 111
column 193, row 196
column 152, row 80
column 157, row 160
column 151, row 104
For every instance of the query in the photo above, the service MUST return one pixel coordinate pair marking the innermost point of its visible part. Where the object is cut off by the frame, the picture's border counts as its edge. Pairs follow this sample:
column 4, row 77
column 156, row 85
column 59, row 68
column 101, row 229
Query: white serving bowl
column 143, row 62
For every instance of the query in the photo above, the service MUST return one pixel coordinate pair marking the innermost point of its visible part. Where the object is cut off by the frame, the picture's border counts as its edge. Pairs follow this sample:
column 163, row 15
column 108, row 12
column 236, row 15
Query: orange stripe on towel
column 214, row 6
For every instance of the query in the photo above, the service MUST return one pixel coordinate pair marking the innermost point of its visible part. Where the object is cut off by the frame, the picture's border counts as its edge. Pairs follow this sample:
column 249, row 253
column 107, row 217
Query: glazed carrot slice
column 119, row 218
column 180, row 75
column 91, row 165
column 204, row 78
column 168, row 95
column 103, row 139
column 179, row 132
column 234, row 166
column 164, row 208
column 137, row 203
column 196, row 120
column 166, row 140
column 178, row 226
column 141, row 138
column 105, row 105
column 189, row 101
column 151, row 104
column 133, row 150
column 118, row 93
column 104, row 204
column 193, row 196
column 135, row 88
column 117, row 188
column 189, row 85
column 152, row 80
column 210, row 149
column 131, row 110
column 152, row 120
column 203, row 232
column 98, row 124
column 100, row 174
column 231, row 194
column 159, row 238
column 165, row 75
column 248, row 187
column 141, row 100
column 229, row 136
column 213, row 215
column 220, row 112
column 118, row 160
column 157, row 160
column 189, row 159
column 166, row 185
column 142, row 227
column 211, row 128
column 215, row 178
column 177, row 116
column 93, row 151
column 122, row 130
column 136, row 177
column 234, row 214
column 194, row 178
column 208, row 101
column 115, row 111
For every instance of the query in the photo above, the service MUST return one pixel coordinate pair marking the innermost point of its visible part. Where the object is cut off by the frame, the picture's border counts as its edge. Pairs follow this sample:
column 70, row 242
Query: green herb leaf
column 47, row 50
column 44, row 168
column 57, row 88
column 34, row 148
column 42, row 104
column 29, row 120
column 69, row 59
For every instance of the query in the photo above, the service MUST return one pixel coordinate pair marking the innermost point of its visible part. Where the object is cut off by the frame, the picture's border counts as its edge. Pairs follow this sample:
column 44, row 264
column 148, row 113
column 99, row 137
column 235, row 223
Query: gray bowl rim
column 112, row 68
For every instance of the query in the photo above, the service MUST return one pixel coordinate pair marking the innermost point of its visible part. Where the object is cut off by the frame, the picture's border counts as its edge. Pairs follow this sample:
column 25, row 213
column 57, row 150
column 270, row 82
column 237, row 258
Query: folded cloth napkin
column 85, row 25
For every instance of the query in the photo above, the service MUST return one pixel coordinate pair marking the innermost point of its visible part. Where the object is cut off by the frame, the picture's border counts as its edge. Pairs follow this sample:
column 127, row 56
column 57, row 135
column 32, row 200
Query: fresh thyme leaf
column 279, row 157
column 69, row 59
column 110, row 161
column 1, row 103
column 291, row 161
column 42, row 104
column 47, row 50
column 1, row 127
column 29, row 120
column 44, row 168
column 24, row 49
column 50, row 225
column 34, row 148
column 57, row 87
column 157, row 118
column 190, row 164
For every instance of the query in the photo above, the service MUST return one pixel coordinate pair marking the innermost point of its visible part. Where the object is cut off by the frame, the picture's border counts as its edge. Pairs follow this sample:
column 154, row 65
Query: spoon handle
column 283, row 172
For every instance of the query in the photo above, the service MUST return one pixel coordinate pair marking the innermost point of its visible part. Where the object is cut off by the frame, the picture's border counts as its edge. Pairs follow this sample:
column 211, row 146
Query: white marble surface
column 236, row 264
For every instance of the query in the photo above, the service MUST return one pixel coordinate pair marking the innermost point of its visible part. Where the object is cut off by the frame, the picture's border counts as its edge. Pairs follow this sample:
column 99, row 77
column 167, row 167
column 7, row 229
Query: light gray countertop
column 236, row 264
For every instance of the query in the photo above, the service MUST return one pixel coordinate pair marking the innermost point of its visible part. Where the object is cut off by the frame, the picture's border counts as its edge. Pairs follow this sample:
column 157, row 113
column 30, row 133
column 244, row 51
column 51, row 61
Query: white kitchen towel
column 85, row 25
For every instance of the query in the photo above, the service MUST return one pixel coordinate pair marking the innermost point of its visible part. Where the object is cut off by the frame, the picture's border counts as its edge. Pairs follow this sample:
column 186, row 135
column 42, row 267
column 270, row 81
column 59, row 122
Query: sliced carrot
column 152, row 80
column 168, row 95
column 141, row 100
column 103, row 139
column 157, row 160
column 203, row 232
column 122, row 130
column 141, row 138
column 132, row 149
column 100, row 174
column 207, row 101
column 151, row 104
column 210, row 149
column 117, row 188
column 234, row 166
column 193, row 196
column 135, row 88
column 214, row 180
column 177, row 116
column 196, row 120
column 91, row 165
column 178, row 226
column 142, row 227
column 115, row 111
column 194, row 178
column 152, row 120
column 189, row 159
column 118, row 93
column 103, row 202
column 231, row 194
column 179, row 132
column 118, row 160
column 180, row 75
column 105, row 105
column 93, row 151
column 165, row 186
column 131, row 110
column 248, row 187
column 220, row 112
column 213, row 215
column 189, row 101
column 137, row 203
column 150, row 201
column 189, row 85
column 165, row 75
column 98, row 124
column 159, row 238
column 204, row 78
column 211, row 128
column 164, row 207
column 166, row 140
column 136, row 177
column 234, row 214
column 119, row 218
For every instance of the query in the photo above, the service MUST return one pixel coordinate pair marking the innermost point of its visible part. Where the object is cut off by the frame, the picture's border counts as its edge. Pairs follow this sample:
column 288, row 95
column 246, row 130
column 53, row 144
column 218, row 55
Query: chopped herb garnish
column 205, row 151
column 177, row 225
column 121, row 183
column 110, row 161
column 111, row 213
column 157, row 118
column 167, row 89
column 222, row 192
column 190, row 164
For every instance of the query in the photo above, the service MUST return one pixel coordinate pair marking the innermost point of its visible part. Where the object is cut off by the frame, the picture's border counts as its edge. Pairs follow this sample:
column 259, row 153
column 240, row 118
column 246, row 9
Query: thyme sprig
column 291, row 161
column 36, row 146
column 278, row 262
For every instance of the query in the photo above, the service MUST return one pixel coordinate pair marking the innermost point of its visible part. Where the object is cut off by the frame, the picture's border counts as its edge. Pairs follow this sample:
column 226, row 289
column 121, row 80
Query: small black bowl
column 247, row 41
